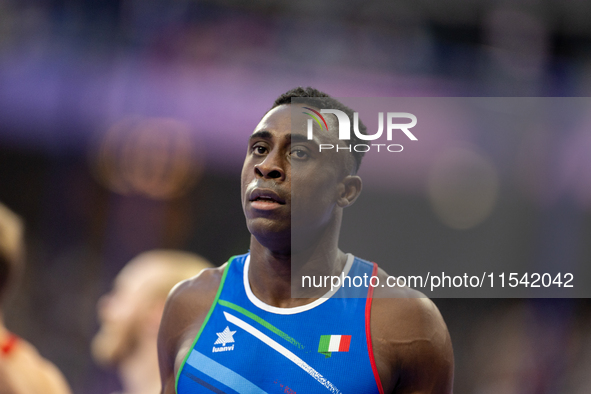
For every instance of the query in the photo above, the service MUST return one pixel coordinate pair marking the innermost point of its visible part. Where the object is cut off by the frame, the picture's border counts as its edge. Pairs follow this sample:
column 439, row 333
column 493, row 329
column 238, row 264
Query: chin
column 106, row 349
column 103, row 353
column 266, row 227
column 272, row 237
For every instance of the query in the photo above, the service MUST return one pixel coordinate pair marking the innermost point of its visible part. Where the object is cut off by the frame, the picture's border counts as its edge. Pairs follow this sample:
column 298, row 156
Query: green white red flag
column 334, row 343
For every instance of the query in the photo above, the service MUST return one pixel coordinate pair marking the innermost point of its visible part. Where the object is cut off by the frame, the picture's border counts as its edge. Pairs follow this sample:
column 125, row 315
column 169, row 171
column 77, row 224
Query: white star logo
column 225, row 336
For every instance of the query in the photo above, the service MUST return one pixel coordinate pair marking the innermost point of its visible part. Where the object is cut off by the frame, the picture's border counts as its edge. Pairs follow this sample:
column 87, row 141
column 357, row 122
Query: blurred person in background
column 130, row 315
column 22, row 369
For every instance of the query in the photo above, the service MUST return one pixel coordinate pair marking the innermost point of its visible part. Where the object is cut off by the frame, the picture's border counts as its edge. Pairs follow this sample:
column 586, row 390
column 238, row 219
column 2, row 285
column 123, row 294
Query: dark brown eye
column 299, row 153
column 259, row 150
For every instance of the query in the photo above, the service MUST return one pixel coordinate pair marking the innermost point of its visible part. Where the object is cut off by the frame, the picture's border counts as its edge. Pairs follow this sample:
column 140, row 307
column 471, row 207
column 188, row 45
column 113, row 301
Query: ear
column 349, row 189
column 153, row 316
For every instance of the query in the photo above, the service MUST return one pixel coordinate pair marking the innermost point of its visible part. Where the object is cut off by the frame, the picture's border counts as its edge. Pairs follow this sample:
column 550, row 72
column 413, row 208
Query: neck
column 275, row 276
column 3, row 330
column 139, row 372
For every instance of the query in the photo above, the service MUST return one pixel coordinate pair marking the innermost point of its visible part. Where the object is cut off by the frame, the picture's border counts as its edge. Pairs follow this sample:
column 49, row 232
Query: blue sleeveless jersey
column 248, row 347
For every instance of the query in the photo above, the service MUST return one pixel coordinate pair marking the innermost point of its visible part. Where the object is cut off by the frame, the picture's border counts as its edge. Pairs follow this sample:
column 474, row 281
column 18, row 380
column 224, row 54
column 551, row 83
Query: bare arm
column 412, row 346
column 6, row 385
column 428, row 365
column 184, row 313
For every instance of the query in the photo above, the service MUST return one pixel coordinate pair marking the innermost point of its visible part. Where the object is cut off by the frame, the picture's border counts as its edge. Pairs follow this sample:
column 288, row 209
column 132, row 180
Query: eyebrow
column 300, row 138
column 264, row 134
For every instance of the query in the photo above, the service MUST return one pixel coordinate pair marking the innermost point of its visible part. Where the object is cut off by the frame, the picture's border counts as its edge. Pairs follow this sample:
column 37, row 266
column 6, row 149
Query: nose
column 103, row 304
column 271, row 167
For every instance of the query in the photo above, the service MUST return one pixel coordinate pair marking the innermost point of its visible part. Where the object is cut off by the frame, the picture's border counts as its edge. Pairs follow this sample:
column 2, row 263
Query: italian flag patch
column 333, row 343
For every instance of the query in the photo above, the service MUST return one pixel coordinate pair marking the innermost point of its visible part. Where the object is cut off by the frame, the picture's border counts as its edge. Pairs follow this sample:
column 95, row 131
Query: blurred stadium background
column 123, row 126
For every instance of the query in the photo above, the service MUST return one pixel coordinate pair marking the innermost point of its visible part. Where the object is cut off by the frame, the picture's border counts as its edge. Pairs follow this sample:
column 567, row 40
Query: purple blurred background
column 123, row 126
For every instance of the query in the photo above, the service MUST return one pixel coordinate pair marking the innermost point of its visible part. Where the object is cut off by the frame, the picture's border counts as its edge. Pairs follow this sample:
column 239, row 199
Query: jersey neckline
column 297, row 309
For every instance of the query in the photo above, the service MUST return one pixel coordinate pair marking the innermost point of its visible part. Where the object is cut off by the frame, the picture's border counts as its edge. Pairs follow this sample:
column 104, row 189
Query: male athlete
column 130, row 316
column 237, row 329
column 22, row 369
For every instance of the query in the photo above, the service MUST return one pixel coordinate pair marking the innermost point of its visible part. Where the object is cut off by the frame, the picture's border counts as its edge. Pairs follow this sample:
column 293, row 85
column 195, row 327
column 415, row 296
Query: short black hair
column 323, row 99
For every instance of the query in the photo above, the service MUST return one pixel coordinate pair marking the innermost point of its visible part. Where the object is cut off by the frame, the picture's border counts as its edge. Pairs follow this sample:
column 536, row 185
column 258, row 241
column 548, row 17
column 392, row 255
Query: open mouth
column 265, row 199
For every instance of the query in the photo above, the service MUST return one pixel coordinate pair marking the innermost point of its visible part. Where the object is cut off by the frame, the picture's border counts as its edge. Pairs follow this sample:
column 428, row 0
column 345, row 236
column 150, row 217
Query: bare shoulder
column 408, row 310
column 185, row 311
column 26, row 371
column 189, row 298
column 411, row 342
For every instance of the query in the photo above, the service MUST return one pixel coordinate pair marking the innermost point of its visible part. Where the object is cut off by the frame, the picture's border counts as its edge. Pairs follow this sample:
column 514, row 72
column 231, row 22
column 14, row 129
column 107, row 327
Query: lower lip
column 264, row 205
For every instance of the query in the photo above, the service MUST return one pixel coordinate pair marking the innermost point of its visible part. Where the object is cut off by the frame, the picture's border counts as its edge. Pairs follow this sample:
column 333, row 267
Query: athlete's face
column 123, row 312
column 287, row 184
